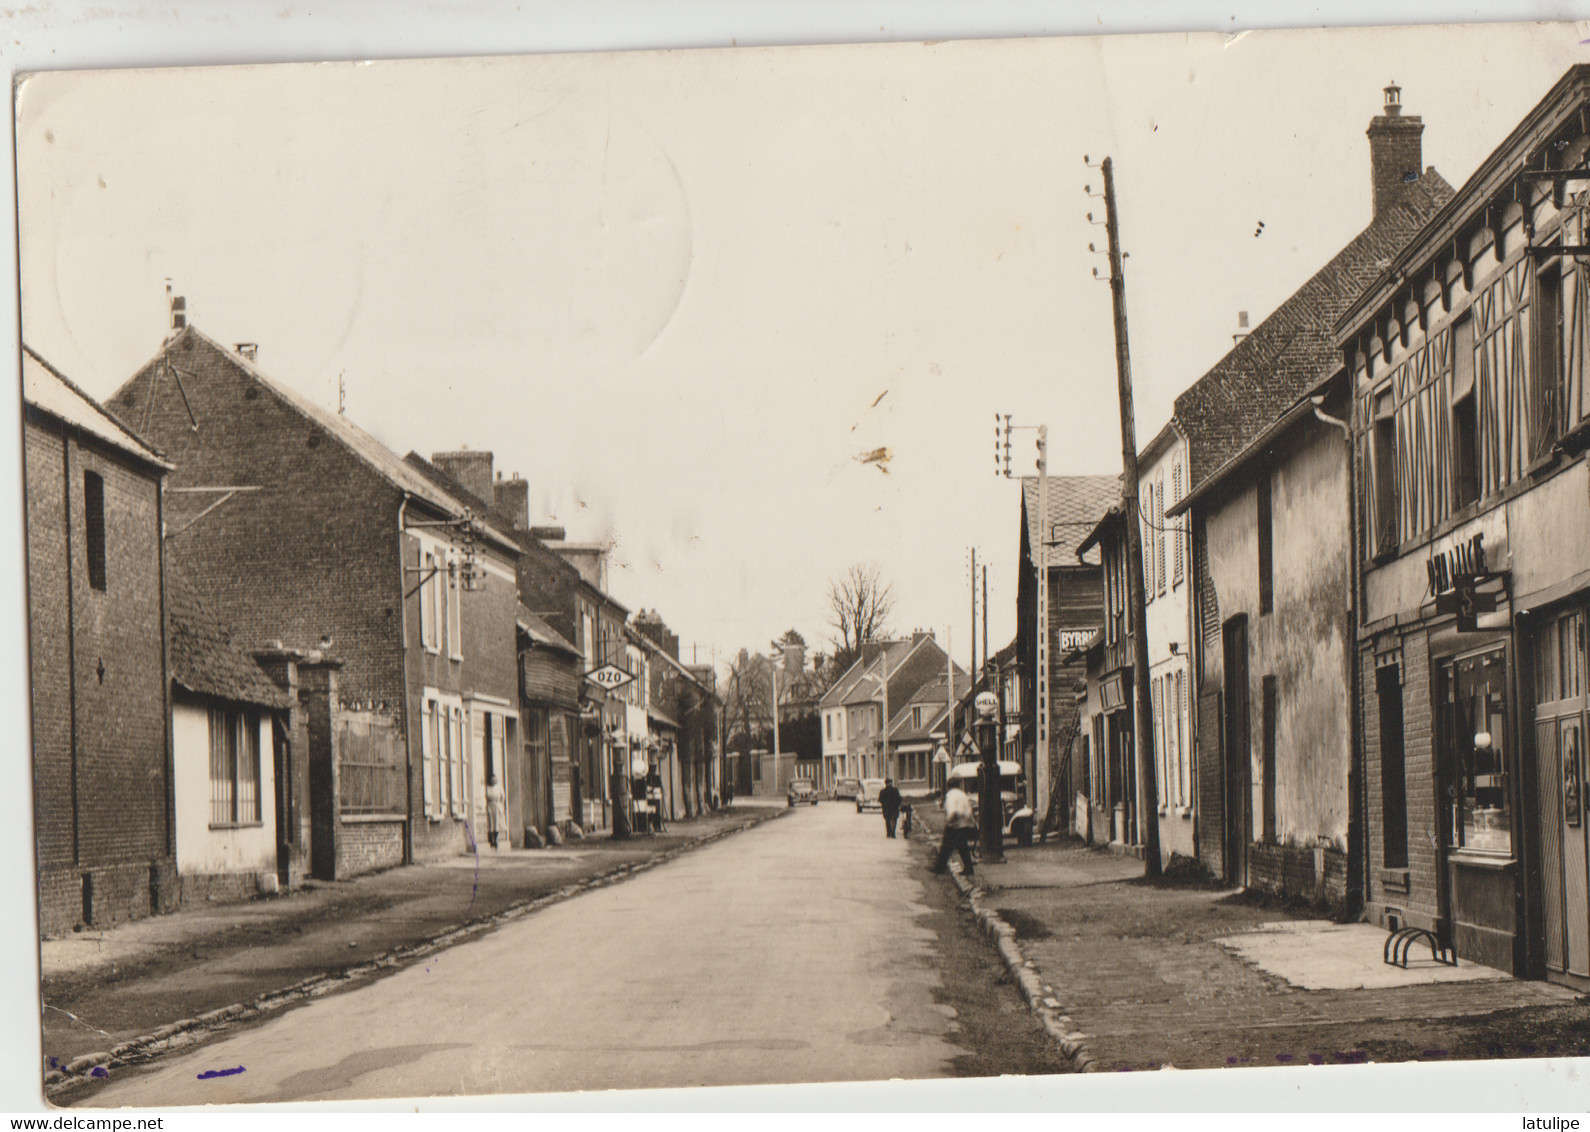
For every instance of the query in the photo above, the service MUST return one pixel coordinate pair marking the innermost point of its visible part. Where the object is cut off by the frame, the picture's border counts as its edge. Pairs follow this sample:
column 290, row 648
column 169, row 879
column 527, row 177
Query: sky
column 681, row 292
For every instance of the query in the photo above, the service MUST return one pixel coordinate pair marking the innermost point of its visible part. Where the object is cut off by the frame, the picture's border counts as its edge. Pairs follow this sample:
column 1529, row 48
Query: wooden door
column 1238, row 753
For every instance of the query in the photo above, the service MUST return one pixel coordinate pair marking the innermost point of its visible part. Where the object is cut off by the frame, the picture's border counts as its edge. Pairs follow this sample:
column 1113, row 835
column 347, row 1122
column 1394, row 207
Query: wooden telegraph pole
column 1148, row 818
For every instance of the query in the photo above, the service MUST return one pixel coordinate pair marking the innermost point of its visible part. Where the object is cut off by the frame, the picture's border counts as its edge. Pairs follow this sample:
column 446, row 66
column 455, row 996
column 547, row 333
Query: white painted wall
column 201, row 850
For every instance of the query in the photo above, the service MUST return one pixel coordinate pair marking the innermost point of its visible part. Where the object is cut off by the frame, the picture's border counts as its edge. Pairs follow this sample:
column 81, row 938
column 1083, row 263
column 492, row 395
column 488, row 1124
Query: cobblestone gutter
column 189, row 1031
column 1040, row 998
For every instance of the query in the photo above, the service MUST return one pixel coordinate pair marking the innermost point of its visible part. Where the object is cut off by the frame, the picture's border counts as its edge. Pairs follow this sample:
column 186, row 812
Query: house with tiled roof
column 304, row 534
column 1075, row 504
column 886, row 674
column 1266, row 516
column 1466, row 367
column 225, row 714
column 918, row 732
column 97, row 659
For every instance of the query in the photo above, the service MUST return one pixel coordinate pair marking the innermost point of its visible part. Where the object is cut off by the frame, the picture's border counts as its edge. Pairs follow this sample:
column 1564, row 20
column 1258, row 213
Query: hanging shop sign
column 609, row 677
column 1456, row 575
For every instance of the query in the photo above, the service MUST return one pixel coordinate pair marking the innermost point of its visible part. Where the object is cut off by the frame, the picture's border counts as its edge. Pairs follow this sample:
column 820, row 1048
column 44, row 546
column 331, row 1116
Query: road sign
column 609, row 677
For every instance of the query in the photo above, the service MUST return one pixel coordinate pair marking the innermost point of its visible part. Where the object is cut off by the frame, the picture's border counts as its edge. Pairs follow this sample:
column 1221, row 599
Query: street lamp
column 989, row 810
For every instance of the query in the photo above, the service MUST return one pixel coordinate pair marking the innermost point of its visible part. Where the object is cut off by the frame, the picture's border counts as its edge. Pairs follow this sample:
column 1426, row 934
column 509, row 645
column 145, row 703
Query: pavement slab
column 1189, row 974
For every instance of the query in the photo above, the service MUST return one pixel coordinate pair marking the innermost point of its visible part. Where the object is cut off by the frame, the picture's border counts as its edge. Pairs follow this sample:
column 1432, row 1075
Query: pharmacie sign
column 1456, row 575
column 609, row 677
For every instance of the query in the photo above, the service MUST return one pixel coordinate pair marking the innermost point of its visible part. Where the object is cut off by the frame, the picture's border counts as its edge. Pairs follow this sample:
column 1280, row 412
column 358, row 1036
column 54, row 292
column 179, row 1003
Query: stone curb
column 175, row 1035
column 1040, row 998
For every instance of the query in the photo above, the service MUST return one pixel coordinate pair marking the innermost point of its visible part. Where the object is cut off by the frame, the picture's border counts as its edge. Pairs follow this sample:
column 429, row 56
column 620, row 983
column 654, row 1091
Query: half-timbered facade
column 1471, row 416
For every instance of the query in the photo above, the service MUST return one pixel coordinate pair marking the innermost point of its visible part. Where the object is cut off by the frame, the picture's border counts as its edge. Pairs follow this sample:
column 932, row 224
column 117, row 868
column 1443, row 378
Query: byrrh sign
column 609, row 677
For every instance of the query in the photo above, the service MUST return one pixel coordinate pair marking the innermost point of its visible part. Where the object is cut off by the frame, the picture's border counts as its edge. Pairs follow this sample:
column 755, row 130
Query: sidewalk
column 1190, row 975
column 102, row 989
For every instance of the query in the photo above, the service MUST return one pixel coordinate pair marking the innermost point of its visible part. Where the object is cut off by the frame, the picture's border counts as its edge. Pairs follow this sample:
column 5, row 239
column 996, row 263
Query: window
column 1477, row 752
column 1158, row 688
column 1159, row 532
column 1550, row 364
column 1383, row 458
column 1271, row 710
column 1465, row 418
column 916, row 718
column 428, row 586
column 1179, row 558
column 828, row 726
column 94, row 527
column 1266, row 567
column 234, row 767
column 1184, row 786
column 443, row 755
column 1145, row 504
column 454, row 616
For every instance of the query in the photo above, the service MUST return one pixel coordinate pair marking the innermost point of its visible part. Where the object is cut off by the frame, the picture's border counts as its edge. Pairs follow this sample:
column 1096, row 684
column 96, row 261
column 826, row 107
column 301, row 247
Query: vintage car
column 867, row 796
column 802, row 792
column 1017, row 814
column 846, row 789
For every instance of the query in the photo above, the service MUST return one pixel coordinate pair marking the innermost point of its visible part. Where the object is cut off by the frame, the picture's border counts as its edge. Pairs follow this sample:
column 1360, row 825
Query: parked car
column 802, row 792
column 846, row 789
column 867, row 797
column 1017, row 814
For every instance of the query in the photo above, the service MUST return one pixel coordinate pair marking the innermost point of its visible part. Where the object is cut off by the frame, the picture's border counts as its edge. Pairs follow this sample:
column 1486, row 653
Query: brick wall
column 113, row 894
column 1210, row 788
column 49, row 628
column 368, row 846
column 100, row 760
column 1315, row 876
column 312, row 553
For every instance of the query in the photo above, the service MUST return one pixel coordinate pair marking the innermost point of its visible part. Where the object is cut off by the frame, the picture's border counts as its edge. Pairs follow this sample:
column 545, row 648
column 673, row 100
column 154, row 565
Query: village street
column 807, row 949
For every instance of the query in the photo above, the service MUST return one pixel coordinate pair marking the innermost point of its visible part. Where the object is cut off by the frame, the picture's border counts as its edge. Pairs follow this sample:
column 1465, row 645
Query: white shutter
column 456, row 763
column 427, row 614
column 428, row 754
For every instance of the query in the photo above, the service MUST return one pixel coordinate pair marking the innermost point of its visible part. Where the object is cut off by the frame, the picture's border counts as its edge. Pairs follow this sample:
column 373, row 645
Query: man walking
column 959, row 829
column 889, row 800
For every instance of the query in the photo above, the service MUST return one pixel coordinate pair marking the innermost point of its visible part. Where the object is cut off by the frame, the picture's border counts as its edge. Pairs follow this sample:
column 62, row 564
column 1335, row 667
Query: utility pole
column 1038, row 536
column 1148, row 818
column 973, row 666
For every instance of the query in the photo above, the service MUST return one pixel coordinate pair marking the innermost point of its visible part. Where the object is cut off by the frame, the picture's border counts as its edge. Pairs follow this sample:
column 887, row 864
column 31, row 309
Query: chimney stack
column 472, row 469
column 510, row 502
column 249, row 350
column 1242, row 327
column 1395, row 153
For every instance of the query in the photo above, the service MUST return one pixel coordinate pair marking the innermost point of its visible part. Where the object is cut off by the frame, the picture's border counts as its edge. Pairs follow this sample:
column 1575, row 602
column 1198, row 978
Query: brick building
column 1465, row 359
column 306, row 535
column 96, row 633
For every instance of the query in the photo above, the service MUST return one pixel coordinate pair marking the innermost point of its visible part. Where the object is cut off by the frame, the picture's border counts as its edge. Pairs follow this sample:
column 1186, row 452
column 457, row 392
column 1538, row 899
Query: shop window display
column 1479, row 755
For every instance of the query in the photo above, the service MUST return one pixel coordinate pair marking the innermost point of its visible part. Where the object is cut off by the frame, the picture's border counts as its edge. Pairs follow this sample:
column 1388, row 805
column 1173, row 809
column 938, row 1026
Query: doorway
column 1560, row 731
column 1238, row 753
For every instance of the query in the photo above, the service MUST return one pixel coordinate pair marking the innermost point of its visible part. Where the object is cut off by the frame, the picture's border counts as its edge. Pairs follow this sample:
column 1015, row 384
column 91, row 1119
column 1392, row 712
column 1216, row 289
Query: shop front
column 1468, row 361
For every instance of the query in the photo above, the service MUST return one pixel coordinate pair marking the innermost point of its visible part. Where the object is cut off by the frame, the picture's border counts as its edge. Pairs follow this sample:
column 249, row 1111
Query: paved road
column 788, row 954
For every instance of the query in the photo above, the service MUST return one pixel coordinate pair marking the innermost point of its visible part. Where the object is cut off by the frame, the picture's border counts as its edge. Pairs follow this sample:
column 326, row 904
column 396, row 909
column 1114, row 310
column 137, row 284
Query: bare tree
column 859, row 604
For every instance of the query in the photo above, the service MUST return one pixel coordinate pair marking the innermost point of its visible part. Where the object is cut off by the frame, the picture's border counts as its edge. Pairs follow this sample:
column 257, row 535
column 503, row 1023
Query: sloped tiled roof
column 361, row 444
column 841, row 689
column 47, row 388
column 203, row 659
column 1292, row 349
column 542, row 633
column 1075, row 504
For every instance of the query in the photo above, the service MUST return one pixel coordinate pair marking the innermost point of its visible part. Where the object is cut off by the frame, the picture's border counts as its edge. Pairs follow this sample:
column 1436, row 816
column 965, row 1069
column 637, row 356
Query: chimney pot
column 249, row 350
column 1395, row 154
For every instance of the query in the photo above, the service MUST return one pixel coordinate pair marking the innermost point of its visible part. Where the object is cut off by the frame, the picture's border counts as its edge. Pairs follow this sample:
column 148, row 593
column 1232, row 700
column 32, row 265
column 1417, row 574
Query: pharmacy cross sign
column 609, row 677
